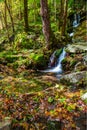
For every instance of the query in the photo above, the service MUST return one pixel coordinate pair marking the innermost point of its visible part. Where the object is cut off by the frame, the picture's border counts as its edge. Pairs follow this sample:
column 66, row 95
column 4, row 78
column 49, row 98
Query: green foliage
column 21, row 41
column 38, row 60
column 8, row 56
column 26, row 41
column 58, row 52
column 50, row 99
column 62, row 100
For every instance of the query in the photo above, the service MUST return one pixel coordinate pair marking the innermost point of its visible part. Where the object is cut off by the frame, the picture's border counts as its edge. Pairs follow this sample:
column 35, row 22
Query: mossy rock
column 10, row 58
column 38, row 60
column 33, row 61
column 69, row 63
column 58, row 52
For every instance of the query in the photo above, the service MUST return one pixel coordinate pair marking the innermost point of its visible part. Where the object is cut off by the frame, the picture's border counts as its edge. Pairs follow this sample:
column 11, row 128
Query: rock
column 85, row 58
column 84, row 96
column 5, row 125
column 80, row 66
column 74, row 77
column 77, row 47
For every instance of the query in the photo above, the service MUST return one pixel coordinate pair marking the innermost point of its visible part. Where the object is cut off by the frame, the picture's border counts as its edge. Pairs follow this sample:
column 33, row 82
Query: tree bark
column 46, row 23
column 61, row 14
column 26, row 15
column 5, row 19
column 1, row 19
column 65, row 18
column 10, row 16
column 20, row 11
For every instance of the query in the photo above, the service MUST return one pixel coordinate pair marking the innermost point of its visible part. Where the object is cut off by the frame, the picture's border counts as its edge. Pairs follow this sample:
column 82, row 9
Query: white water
column 76, row 21
column 71, row 34
column 58, row 68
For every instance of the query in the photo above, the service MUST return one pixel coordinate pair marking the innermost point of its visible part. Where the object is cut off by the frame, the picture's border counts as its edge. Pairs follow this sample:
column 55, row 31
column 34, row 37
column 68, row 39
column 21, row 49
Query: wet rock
column 85, row 59
column 80, row 66
column 77, row 47
column 74, row 77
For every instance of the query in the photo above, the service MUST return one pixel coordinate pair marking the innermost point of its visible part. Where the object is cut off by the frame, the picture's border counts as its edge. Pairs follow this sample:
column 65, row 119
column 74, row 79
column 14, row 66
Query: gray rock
column 77, row 47
column 80, row 66
column 85, row 58
column 74, row 77
column 5, row 125
column 84, row 96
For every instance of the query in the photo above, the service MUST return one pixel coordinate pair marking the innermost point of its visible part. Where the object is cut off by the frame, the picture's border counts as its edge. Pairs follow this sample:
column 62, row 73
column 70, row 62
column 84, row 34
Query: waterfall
column 76, row 21
column 71, row 34
column 58, row 67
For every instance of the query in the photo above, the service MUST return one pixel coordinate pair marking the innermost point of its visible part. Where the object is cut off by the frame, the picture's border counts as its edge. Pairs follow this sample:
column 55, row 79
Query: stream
column 57, row 68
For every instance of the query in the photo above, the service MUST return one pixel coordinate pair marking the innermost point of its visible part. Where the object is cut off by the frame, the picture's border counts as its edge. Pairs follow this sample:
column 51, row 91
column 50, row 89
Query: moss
column 58, row 52
column 73, row 63
column 33, row 61
column 37, row 60
column 69, row 63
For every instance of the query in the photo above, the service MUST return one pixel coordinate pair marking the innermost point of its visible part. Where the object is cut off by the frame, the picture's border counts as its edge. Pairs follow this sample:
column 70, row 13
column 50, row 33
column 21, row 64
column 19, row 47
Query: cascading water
column 76, row 23
column 58, row 67
column 76, row 20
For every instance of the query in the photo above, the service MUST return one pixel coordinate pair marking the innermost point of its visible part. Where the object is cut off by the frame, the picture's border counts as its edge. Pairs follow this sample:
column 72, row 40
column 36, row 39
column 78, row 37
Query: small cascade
column 76, row 21
column 58, row 67
column 71, row 34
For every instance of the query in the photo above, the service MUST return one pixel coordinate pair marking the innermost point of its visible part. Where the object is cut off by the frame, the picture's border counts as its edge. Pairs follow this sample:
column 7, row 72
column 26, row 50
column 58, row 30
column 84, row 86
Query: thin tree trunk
column 20, row 11
column 46, row 22
column 5, row 19
column 34, row 3
column 65, row 18
column 1, row 19
column 55, row 8
column 10, row 16
column 26, row 15
column 61, row 14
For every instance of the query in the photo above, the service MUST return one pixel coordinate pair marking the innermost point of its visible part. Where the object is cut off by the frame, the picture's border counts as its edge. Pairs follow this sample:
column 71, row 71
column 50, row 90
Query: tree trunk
column 64, row 18
column 10, row 16
column 61, row 14
column 20, row 11
column 5, row 20
column 26, row 15
column 1, row 19
column 46, row 22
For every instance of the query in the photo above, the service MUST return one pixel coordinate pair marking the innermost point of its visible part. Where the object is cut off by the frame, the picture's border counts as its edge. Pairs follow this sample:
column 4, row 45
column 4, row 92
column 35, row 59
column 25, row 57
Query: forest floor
column 32, row 99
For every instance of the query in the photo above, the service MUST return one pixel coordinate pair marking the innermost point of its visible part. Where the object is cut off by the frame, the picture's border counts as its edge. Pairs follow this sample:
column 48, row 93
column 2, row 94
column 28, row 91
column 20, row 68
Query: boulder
column 77, row 47
column 74, row 77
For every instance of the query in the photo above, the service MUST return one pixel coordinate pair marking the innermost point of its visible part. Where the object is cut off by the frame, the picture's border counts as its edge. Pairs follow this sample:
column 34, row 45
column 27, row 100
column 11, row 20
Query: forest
column 43, row 65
